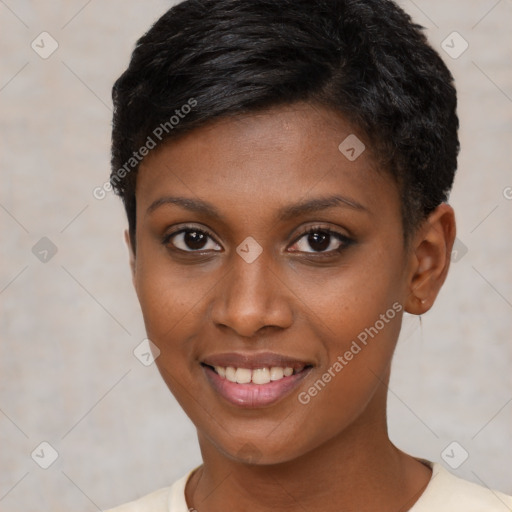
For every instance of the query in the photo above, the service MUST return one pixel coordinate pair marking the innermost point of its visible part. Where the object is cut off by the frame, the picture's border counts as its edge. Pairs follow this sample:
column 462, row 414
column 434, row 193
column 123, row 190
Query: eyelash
column 344, row 240
column 168, row 237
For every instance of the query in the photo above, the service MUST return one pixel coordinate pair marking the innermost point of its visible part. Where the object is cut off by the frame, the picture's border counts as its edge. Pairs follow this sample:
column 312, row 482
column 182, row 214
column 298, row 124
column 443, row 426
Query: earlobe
column 131, row 252
column 430, row 262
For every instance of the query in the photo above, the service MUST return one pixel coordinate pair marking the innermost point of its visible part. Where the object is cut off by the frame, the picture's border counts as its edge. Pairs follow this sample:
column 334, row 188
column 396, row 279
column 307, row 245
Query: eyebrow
column 319, row 204
column 308, row 206
column 193, row 205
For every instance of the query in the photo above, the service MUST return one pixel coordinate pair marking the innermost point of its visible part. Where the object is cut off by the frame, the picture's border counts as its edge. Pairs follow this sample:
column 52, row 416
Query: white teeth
column 243, row 375
column 256, row 376
column 276, row 373
column 261, row 376
column 230, row 374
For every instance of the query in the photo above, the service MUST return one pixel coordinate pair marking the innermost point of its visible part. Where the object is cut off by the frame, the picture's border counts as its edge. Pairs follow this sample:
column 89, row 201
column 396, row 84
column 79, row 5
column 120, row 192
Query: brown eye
column 195, row 239
column 191, row 240
column 320, row 241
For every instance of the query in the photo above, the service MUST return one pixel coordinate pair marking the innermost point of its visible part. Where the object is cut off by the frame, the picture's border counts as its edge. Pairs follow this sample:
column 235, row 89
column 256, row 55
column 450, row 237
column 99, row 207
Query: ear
column 430, row 254
column 131, row 252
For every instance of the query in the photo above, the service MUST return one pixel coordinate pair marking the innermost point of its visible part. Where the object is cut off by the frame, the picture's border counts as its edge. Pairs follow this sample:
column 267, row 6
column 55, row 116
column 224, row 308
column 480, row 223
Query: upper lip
column 253, row 361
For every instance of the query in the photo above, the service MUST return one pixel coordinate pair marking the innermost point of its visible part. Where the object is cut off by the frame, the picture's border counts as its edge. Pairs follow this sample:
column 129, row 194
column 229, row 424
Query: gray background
column 70, row 324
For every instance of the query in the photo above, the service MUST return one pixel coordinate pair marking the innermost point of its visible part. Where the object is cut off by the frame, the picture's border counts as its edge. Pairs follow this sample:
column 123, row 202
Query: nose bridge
column 251, row 280
column 252, row 297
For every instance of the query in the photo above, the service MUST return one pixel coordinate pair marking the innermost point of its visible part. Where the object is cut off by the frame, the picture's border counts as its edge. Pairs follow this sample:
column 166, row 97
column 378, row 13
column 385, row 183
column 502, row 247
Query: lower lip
column 254, row 395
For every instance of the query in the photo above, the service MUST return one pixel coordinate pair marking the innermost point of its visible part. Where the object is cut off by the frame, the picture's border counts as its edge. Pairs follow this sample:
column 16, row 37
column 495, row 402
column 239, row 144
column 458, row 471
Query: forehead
column 272, row 157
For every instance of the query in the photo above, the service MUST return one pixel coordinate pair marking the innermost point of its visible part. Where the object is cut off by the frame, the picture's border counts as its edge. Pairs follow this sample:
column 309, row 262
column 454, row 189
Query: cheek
column 166, row 310
column 345, row 301
column 167, row 294
column 168, row 301
column 356, row 314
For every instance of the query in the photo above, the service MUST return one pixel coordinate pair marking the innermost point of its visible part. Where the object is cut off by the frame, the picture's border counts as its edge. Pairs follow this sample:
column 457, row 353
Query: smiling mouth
column 258, row 376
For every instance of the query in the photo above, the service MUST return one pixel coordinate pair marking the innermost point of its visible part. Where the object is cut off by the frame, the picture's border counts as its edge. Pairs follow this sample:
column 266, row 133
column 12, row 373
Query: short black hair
column 366, row 59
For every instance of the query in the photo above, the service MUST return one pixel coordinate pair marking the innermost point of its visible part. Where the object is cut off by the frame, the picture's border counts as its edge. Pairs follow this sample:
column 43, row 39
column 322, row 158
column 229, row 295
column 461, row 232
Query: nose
column 252, row 297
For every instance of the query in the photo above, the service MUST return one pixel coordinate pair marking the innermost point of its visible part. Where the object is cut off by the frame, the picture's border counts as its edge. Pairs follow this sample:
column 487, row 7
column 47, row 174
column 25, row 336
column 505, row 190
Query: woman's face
column 261, row 249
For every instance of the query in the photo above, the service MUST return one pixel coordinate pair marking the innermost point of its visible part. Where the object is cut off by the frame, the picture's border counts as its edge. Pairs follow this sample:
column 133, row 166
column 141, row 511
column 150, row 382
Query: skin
column 332, row 453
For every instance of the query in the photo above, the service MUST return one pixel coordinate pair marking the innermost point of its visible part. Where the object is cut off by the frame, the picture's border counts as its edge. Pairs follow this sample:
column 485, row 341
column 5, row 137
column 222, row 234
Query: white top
column 444, row 493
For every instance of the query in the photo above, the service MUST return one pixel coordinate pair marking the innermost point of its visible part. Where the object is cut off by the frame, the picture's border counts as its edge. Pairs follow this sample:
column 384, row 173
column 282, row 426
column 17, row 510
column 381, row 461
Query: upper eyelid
column 185, row 228
column 344, row 241
column 316, row 229
column 167, row 237
column 306, row 231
